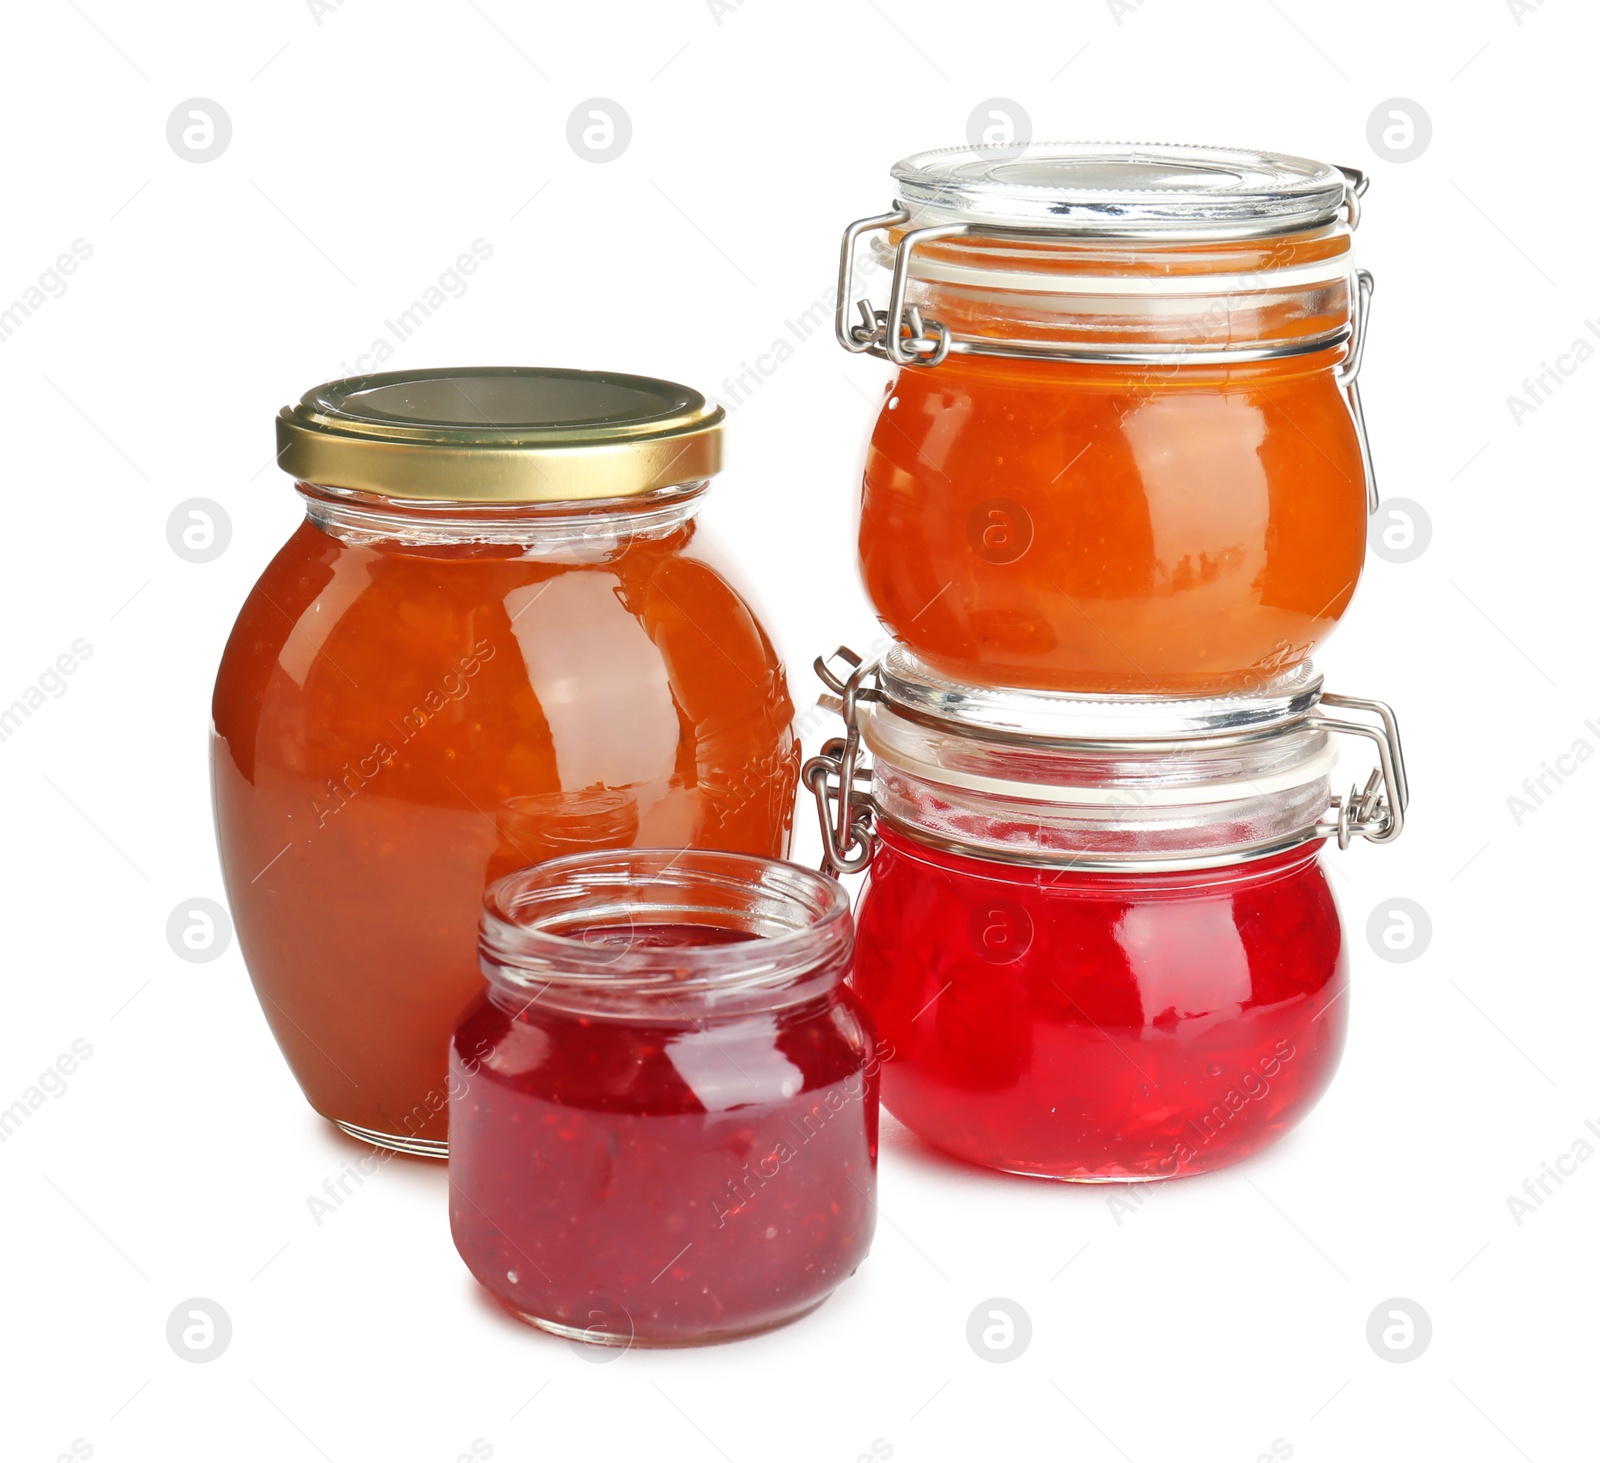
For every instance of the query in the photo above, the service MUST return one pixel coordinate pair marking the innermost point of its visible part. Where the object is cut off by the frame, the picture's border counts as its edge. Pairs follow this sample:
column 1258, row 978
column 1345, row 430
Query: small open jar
column 664, row 1109
column 1096, row 939
column 1124, row 451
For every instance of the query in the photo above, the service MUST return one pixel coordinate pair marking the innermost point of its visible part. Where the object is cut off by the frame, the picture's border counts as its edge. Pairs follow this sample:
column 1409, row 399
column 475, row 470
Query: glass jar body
column 662, row 1182
column 406, row 709
column 1089, row 528
column 1096, row 1027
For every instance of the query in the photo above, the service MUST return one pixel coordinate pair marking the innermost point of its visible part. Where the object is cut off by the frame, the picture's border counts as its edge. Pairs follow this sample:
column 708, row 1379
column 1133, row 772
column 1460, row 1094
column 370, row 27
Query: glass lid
column 1119, row 188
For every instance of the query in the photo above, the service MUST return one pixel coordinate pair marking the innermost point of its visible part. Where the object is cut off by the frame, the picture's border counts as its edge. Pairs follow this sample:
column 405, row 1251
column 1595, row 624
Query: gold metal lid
column 501, row 434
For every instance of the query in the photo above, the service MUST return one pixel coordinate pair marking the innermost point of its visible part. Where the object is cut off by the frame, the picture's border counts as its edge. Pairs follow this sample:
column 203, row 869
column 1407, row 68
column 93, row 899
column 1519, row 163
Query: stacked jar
column 1115, row 497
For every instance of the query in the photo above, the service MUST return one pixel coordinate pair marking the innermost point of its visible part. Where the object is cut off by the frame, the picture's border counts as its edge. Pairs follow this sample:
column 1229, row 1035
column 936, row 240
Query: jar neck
column 672, row 936
column 563, row 530
column 1024, row 375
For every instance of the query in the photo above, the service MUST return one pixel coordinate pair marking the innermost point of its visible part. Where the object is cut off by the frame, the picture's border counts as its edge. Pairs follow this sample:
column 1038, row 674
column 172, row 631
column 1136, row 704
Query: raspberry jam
column 1101, row 1026
column 663, row 1118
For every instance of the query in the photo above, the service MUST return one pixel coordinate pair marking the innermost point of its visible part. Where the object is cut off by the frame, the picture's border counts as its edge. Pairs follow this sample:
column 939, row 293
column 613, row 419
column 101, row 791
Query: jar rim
column 1109, row 876
column 553, row 528
column 801, row 920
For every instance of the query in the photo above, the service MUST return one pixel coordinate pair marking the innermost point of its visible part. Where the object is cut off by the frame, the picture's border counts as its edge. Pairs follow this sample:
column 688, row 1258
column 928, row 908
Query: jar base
column 1055, row 1175
column 395, row 1142
column 1089, row 1177
column 593, row 1337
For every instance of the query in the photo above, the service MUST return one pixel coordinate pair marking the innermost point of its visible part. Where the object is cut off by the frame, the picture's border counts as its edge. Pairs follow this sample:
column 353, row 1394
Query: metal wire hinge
column 841, row 786
column 1356, row 184
column 1377, row 811
column 1346, row 378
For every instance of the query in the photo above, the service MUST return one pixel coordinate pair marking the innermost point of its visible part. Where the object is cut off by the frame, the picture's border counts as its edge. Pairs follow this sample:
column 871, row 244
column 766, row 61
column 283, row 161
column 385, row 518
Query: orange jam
column 389, row 724
column 1137, row 468
column 1079, row 528
column 415, row 700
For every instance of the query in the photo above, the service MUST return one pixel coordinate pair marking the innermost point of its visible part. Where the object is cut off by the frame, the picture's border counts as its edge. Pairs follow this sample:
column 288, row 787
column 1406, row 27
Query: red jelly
column 1097, row 939
column 663, row 1118
column 1108, row 1026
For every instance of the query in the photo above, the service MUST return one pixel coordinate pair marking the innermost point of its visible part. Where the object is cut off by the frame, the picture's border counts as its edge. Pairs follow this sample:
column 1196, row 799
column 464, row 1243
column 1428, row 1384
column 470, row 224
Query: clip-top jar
column 1124, row 451
column 496, row 637
column 1096, row 937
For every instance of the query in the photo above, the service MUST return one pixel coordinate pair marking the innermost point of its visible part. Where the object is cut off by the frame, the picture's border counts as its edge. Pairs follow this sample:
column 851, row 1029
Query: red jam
column 662, row 1180
column 1090, row 1026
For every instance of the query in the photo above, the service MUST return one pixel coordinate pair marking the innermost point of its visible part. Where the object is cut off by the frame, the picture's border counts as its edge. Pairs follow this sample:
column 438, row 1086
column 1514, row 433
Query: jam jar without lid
column 664, row 1109
column 1124, row 451
column 497, row 636
column 1096, row 937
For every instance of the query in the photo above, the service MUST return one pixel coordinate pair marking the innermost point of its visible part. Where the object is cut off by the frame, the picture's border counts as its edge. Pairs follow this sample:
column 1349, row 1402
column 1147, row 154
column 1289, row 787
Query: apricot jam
column 1081, row 529
column 420, row 695
column 1124, row 450
column 663, row 1124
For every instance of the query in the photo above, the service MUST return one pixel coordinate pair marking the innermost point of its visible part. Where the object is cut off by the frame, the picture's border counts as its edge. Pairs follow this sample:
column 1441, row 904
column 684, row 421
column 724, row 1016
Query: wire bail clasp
column 841, row 786
column 1377, row 811
column 909, row 341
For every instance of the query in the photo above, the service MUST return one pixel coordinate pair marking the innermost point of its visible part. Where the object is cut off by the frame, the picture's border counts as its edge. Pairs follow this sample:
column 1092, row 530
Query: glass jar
column 497, row 636
column 1096, row 937
column 664, row 1109
column 1124, row 449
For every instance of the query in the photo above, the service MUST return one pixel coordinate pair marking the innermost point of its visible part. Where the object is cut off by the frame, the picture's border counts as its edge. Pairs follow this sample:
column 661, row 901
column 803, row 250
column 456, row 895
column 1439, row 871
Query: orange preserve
column 1124, row 449
column 496, row 638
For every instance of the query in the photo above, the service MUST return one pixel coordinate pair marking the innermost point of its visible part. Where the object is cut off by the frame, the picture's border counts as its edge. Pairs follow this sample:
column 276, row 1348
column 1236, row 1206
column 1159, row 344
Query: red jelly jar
column 1097, row 939
column 664, row 1108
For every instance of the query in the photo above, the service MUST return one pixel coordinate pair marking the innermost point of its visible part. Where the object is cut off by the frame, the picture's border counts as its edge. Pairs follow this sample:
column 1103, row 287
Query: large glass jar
column 664, row 1108
column 1124, row 450
column 496, row 637
column 1096, row 937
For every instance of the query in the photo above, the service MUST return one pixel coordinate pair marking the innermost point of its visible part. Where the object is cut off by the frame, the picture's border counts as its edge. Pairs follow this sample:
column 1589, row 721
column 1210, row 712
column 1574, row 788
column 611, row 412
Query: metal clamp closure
column 1356, row 184
column 841, row 786
column 918, row 342
column 912, row 340
column 856, row 339
column 1346, row 377
column 1368, row 812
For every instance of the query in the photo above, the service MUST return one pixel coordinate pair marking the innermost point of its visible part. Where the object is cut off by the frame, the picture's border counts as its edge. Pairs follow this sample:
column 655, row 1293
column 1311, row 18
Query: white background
column 369, row 150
